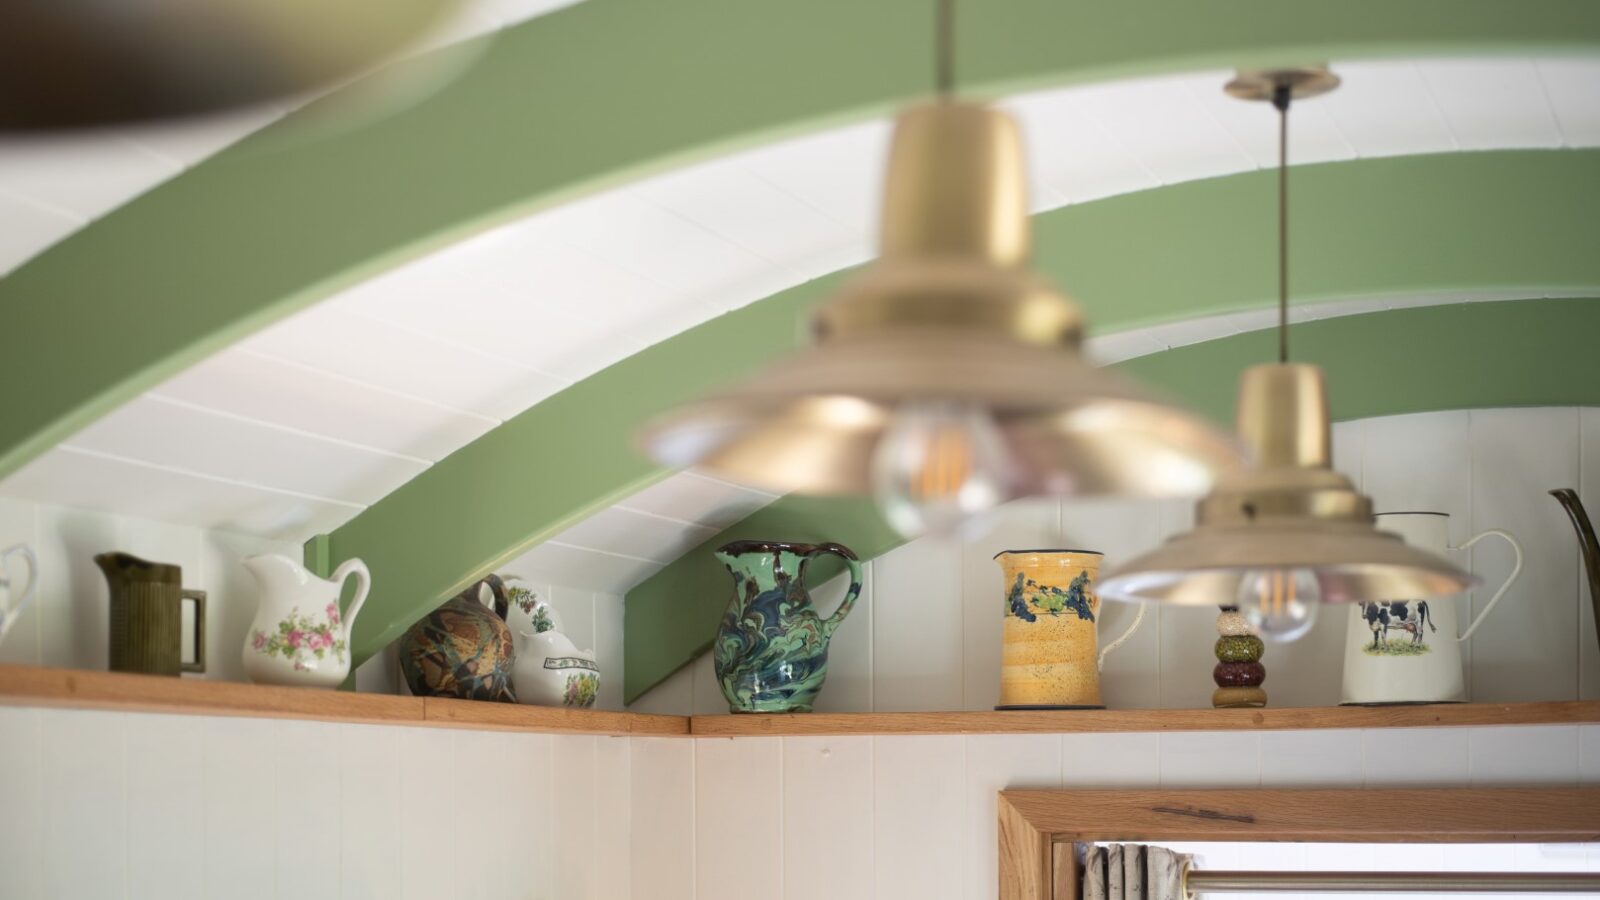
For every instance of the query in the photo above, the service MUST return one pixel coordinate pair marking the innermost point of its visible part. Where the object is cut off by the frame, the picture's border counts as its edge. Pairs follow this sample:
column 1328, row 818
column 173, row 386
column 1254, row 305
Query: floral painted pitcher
column 299, row 636
column 771, row 652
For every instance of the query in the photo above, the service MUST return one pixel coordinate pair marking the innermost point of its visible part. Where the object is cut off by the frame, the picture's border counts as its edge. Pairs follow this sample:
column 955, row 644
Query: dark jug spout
column 1569, row 501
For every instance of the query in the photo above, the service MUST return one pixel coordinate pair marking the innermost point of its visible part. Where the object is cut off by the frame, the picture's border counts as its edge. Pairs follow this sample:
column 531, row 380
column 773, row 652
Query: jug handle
column 1515, row 571
column 1101, row 663
column 363, row 584
column 854, row 566
column 26, row 553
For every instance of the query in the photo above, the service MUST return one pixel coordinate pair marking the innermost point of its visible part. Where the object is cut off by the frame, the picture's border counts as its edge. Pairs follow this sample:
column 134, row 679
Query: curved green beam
column 572, row 101
column 1457, row 356
column 1515, row 220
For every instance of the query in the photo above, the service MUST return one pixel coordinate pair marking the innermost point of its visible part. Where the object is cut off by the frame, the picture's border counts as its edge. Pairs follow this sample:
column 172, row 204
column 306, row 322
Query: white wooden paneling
column 917, row 640
column 1311, row 758
column 29, row 229
column 1526, row 649
column 919, row 807
column 691, row 497
column 1488, row 103
column 1206, row 759
column 1589, row 755
column 85, row 775
column 848, row 687
column 22, row 791
column 306, row 772
column 662, row 863
column 614, row 789
column 573, row 777
column 608, row 649
column 82, row 175
column 737, row 835
column 166, row 808
column 1503, row 757
column 1110, row 760
column 827, row 818
column 995, row 763
column 1418, row 757
column 241, row 840
column 369, row 805
column 620, row 530
column 425, row 754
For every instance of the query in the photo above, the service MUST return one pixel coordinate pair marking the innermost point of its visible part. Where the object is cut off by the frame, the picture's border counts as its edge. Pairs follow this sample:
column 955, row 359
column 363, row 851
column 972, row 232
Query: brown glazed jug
column 147, row 616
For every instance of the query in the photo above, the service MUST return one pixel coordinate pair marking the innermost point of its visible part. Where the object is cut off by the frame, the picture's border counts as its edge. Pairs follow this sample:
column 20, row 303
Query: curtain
column 1133, row 872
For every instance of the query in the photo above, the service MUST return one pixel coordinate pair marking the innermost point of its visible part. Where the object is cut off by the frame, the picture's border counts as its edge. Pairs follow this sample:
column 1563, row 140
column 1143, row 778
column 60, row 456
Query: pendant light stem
column 1280, row 100
column 944, row 70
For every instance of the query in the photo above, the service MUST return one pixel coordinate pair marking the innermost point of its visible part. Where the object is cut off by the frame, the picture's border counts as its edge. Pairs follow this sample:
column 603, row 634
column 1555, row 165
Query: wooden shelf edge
column 124, row 692
column 1568, row 712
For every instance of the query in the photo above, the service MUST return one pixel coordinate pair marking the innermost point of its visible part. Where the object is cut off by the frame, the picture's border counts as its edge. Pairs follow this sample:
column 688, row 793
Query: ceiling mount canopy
column 1288, row 533
column 947, row 377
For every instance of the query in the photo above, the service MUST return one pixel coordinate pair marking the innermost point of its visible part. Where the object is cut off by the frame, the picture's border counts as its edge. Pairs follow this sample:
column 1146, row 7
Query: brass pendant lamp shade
column 950, row 315
column 1287, row 533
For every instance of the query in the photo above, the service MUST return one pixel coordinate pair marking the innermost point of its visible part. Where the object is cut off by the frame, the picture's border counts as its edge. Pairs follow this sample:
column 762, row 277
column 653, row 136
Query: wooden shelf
column 1098, row 720
column 34, row 686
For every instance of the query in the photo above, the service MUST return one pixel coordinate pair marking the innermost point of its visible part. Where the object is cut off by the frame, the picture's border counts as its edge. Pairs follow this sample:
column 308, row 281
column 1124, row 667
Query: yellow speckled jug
column 1051, row 658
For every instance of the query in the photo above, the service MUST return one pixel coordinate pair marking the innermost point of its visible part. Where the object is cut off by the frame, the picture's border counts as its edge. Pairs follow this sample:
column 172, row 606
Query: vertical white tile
column 1121, row 529
column 241, row 803
column 917, row 827
column 673, row 697
column 707, row 698
column 662, row 860
column 425, row 755
column 1416, row 757
column 1203, row 759
column 573, row 817
column 917, row 639
column 1589, row 755
column 1023, row 525
column 997, row 762
column 22, row 797
column 86, row 818
column 1111, row 760
column 738, row 816
column 369, row 806
column 1312, row 759
column 848, row 687
column 307, row 827
column 1589, row 492
column 20, row 646
column 166, row 806
column 528, row 823
column 1508, row 756
column 73, row 621
column 608, row 649
column 1527, row 649
column 614, row 835
column 827, row 818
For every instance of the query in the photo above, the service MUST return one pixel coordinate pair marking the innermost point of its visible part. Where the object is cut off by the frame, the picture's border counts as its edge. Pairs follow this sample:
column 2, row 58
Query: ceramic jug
column 14, row 599
column 1049, row 656
column 463, row 649
column 551, row 670
column 1407, row 651
column 771, row 652
column 146, row 604
column 299, row 636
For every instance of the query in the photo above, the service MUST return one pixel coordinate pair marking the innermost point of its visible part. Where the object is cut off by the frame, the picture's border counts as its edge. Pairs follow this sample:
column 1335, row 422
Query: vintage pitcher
column 299, row 637
column 1049, row 657
column 771, row 652
column 1407, row 651
column 14, row 596
column 146, row 606
column 550, row 669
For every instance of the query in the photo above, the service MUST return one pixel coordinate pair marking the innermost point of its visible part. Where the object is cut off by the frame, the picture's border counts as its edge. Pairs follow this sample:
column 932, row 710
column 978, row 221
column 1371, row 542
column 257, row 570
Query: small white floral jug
column 550, row 670
column 299, row 636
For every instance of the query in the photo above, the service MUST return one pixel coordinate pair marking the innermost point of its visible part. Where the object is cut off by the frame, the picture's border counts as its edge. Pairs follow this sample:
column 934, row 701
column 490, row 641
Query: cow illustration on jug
column 1408, row 616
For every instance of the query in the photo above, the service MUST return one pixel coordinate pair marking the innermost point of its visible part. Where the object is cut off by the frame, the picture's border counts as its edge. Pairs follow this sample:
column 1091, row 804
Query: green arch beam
column 1457, row 356
column 1449, row 222
column 575, row 100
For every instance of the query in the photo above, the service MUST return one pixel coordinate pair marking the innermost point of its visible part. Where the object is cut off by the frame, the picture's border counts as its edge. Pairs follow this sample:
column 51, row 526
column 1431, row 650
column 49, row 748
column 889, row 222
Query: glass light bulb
column 1280, row 604
column 939, row 467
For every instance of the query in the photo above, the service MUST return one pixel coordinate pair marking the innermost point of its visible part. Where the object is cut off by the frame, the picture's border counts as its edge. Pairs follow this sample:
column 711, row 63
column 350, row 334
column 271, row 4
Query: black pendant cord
column 944, row 65
column 1280, row 100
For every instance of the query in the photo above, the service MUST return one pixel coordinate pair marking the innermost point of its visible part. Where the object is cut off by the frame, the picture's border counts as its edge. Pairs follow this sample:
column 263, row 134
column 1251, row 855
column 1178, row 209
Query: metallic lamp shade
column 1289, row 512
column 949, row 313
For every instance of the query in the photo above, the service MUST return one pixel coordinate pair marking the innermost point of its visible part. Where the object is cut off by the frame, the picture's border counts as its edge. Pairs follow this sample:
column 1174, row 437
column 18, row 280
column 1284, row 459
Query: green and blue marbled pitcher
column 772, row 648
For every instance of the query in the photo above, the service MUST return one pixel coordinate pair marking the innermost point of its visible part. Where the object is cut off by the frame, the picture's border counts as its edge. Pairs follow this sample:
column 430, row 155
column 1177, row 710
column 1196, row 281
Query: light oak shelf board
column 118, row 691
column 1132, row 720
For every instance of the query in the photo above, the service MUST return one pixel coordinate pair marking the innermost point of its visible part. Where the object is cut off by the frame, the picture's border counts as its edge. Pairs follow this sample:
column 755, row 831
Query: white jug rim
column 1413, row 512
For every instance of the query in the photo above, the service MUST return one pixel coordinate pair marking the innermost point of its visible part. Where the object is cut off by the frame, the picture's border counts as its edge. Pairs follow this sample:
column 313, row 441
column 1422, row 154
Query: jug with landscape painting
column 1408, row 650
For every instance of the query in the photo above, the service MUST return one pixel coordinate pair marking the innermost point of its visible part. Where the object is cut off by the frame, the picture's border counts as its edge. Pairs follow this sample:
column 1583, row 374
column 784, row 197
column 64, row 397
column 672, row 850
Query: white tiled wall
column 126, row 805
column 926, row 632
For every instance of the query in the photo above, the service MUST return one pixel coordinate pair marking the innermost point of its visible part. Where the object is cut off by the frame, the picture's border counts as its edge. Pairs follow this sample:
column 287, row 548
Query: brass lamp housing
column 1290, row 511
column 951, row 312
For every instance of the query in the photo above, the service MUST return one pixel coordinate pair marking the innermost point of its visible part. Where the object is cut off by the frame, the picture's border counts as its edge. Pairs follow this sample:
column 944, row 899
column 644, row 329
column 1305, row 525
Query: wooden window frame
column 1039, row 830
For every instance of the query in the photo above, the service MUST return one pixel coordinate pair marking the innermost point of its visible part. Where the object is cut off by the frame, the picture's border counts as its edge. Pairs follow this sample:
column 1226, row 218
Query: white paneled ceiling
column 374, row 384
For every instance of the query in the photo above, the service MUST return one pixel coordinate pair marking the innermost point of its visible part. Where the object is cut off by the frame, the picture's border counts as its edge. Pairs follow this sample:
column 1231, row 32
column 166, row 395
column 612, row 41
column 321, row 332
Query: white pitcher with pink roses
column 299, row 636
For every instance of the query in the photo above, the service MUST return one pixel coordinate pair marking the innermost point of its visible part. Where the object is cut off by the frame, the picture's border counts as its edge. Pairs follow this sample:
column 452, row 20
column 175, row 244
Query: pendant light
column 947, row 377
column 1287, row 534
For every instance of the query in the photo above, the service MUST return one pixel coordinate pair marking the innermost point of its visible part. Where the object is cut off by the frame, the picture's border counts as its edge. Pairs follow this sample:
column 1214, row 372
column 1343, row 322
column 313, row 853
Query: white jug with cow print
column 1408, row 651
